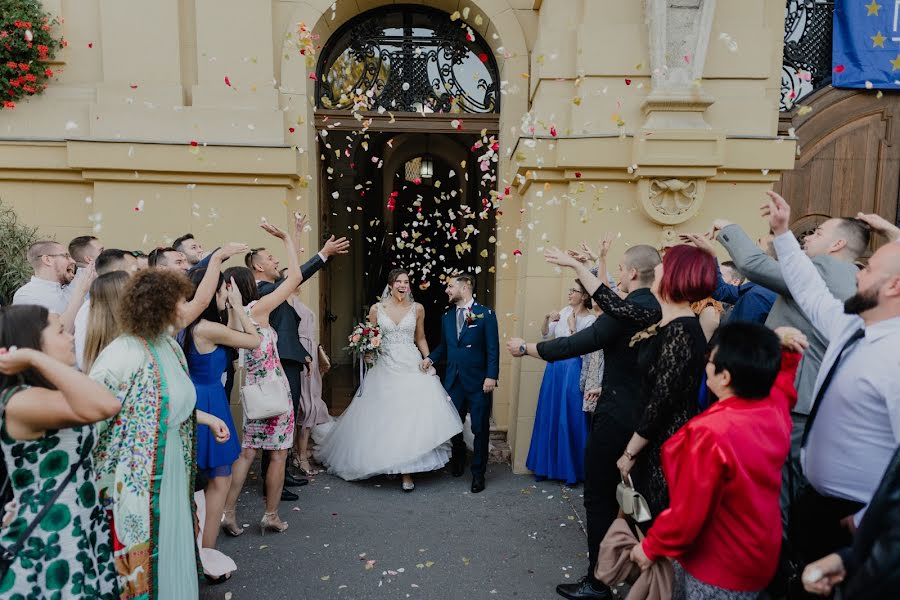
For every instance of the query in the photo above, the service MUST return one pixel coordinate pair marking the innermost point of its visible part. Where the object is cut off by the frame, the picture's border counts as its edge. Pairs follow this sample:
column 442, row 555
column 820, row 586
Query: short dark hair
column 248, row 258
column 159, row 254
column 22, row 325
column 180, row 241
column 110, row 260
column 855, row 231
column 79, row 245
column 730, row 264
column 466, row 279
column 751, row 353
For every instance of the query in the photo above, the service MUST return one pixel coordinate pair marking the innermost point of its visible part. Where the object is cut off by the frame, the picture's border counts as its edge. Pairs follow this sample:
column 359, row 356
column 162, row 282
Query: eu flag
column 866, row 48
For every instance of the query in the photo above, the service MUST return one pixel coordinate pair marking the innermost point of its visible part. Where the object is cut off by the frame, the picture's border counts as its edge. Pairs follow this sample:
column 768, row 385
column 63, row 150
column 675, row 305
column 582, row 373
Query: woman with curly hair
column 144, row 456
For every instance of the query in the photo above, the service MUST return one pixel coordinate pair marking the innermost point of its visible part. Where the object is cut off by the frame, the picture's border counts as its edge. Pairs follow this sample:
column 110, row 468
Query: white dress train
column 403, row 420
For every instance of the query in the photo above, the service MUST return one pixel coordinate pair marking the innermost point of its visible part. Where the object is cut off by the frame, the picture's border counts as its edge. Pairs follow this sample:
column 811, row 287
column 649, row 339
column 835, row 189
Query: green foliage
column 15, row 238
column 27, row 46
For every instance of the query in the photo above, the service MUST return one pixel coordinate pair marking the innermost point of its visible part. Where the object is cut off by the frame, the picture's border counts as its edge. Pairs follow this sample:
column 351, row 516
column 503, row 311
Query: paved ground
column 369, row 540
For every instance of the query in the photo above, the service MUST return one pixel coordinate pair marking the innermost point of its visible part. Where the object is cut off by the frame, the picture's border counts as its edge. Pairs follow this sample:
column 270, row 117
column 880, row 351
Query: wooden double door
column 848, row 158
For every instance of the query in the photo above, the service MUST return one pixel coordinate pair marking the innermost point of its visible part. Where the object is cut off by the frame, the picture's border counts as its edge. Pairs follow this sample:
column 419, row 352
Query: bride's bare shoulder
column 420, row 310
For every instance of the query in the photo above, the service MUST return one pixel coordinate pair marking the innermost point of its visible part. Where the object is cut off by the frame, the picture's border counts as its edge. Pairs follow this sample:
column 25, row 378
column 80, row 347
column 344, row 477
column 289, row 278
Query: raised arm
column 753, row 263
column 79, row 291
column 600, row 335
column 271, row 301
column 209, row 284
column 77, row 399
column 806, row 285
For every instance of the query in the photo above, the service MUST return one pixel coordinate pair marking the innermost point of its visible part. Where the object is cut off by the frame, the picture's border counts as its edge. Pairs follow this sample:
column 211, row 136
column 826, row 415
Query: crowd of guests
column 116, row 369
column 745, row 439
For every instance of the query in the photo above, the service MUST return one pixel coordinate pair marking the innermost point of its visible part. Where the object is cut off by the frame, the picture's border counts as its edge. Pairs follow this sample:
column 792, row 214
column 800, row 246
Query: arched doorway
column 407, row 115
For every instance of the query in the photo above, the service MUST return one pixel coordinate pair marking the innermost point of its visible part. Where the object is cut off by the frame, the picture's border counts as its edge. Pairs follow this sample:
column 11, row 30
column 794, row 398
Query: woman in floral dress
column 276, row 433
column 48, row 429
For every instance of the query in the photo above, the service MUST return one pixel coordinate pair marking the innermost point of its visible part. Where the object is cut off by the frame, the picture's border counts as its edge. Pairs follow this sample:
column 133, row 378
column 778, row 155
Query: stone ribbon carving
column 671, row 201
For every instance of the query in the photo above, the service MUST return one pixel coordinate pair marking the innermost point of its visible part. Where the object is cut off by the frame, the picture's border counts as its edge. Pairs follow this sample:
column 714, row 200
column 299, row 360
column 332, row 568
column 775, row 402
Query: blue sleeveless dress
column 206, row 370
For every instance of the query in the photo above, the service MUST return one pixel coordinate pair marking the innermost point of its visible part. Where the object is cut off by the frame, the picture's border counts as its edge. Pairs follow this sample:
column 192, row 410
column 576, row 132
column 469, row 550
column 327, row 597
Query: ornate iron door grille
column 806, row 67
column 408, row 58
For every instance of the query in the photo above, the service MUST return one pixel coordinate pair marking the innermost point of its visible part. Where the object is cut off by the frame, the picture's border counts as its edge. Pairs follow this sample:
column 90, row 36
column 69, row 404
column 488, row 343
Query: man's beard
column 861, row 302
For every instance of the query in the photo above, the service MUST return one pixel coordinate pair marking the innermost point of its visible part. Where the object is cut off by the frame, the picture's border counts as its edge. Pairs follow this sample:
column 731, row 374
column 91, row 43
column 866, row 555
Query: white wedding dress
column 403, row 420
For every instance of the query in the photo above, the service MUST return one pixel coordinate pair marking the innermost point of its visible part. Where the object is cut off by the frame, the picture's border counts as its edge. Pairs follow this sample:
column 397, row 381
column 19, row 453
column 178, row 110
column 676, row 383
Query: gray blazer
column 760, row 268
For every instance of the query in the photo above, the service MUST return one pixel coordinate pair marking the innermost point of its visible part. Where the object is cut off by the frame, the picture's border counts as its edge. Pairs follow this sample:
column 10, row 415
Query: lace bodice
column 403, row 332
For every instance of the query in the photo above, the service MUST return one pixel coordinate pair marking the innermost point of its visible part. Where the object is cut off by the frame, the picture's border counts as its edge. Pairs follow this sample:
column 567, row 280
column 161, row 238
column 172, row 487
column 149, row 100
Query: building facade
column 574, row 117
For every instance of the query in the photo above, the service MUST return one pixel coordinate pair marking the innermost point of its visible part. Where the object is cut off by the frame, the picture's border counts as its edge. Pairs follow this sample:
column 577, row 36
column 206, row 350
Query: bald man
column 854, row 425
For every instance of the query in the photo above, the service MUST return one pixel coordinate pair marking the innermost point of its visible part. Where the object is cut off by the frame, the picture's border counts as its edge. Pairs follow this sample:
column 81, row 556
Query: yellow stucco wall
column 139, row 81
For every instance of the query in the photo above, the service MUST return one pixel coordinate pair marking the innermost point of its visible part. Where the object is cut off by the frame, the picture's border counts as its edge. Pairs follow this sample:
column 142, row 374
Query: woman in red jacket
column 723, row 525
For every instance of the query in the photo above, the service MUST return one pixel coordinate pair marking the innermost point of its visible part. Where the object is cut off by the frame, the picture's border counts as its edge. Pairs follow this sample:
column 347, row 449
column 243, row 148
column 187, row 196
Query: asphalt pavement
column 369, row 540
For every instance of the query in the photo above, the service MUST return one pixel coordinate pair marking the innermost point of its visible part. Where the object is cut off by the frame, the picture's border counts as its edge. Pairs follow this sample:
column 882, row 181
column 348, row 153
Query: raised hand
column 699, row 240
column 14, row 360
column 777, row 211
column 792, row 339
column 272, row 230
column 232, row 248
column 335, row 246
column 579, row 256
column 555, row 256
column 605, row 244
column 234, row 295
column 881, row 225
column 717, row 226
column 553, row 316
column 300, row 222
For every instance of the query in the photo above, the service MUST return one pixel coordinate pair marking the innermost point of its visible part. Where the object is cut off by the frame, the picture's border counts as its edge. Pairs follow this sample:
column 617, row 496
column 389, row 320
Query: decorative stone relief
column 671, row 201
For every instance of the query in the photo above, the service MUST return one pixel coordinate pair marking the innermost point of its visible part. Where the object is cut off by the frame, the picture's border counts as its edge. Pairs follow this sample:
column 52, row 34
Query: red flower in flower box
column 48, row 72
column 8, row 104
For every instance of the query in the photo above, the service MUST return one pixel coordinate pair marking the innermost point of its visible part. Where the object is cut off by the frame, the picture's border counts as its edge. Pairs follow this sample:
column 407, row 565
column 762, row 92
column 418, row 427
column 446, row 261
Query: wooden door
column 848, row 157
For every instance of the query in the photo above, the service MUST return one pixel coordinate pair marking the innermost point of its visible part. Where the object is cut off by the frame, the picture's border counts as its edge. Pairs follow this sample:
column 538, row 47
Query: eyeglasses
column 66, row 255
column 575, row 290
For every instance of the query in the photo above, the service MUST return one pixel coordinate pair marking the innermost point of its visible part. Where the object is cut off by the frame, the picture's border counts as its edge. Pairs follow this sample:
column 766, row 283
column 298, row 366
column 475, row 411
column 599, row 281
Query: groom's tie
column 460, row 319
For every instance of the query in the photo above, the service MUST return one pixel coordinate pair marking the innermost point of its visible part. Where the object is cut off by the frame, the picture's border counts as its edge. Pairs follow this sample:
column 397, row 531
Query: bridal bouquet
column 365, row 342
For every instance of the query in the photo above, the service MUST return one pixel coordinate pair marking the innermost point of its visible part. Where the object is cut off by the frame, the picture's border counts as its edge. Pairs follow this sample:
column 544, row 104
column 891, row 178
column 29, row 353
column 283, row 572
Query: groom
column 471, row 344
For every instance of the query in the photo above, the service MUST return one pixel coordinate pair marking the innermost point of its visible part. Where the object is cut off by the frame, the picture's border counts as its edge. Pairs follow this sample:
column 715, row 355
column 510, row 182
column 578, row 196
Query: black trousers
column 293, row 370
column 605, row 444
column 815, row 529
column 478, row 405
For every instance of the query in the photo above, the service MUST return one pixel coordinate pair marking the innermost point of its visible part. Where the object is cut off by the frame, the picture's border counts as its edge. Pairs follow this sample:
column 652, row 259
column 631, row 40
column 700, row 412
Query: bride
column 402, row 419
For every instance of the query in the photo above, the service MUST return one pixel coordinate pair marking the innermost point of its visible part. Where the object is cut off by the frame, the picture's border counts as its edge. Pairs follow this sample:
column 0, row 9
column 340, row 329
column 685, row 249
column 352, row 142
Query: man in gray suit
column 833, row 248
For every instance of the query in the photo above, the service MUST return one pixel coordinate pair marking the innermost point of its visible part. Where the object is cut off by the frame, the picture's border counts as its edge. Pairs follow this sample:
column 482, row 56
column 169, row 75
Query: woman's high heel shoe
column 271, row 522
column 229, row 525
column 306, row 469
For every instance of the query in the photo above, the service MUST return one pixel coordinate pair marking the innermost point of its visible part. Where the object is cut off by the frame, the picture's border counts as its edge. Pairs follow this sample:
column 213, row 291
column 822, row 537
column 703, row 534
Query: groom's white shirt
column 467, row 305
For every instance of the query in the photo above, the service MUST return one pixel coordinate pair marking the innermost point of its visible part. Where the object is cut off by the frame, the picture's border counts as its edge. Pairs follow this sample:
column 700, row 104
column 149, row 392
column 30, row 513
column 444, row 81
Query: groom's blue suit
column 472, row 356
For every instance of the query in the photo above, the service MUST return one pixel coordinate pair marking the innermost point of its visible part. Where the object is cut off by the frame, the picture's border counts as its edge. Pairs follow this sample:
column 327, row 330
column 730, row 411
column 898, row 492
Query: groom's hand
column 489, row 385
column 426, row 364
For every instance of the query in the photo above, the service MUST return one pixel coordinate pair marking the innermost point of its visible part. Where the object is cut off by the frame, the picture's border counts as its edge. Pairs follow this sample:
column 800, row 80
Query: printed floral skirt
column 275, row 433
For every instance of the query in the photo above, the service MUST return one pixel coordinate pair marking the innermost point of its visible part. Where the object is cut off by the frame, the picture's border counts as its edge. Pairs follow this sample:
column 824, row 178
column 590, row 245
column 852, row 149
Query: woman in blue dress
column 560, row 423
column 206, row 347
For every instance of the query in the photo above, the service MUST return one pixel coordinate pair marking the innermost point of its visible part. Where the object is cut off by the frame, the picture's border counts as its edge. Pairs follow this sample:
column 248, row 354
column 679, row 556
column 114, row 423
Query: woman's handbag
column 265, row 398
column 324, row 361
column 631, row 502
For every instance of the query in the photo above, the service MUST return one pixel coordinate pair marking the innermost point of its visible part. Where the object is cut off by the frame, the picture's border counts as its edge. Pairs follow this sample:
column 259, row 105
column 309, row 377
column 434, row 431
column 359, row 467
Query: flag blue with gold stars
column 866, row 47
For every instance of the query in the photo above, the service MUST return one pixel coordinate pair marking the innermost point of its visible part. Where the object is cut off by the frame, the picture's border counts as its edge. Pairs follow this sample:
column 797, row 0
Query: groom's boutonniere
column 471, row 317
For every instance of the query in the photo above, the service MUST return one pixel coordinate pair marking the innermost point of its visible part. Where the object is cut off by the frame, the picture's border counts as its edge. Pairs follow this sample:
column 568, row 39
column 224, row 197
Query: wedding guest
column 144, row 456
column 108, row 261
column 143, row 260
column 47, row 437
column 191, row 248
column 560, row 425
column 854, row 424
column 709, row 312
column 870, row 568
column 84, row 250
column 751, row 301
column 168, row 258
column 206, row 345
column 284, row 320
column 102, row 325
column 616, row 414
column 54, row 271
column 671, row 355
column 722, row 528
column 729, row 273
column 313, row 411
column 275, row 434
column 833, row 247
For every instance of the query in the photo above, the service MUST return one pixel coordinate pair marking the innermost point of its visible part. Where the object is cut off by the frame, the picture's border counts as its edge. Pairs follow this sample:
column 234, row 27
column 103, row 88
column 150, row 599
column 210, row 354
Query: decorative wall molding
column 670, row 201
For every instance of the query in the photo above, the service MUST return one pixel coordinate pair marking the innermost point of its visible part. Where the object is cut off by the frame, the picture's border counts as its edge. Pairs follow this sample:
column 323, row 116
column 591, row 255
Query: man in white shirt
column 854, row 425
column 54, row 271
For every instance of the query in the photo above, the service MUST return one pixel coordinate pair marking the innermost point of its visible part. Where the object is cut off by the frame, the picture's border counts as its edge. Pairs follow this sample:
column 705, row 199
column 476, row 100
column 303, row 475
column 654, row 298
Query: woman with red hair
column 671, row 354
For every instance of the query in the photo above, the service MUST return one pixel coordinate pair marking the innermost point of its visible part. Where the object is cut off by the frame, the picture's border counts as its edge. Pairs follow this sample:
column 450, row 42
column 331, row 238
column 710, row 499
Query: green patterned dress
column 69, row 554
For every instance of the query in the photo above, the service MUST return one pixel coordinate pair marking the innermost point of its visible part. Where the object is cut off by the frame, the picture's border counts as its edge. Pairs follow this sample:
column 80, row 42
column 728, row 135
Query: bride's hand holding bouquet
column 365, row 342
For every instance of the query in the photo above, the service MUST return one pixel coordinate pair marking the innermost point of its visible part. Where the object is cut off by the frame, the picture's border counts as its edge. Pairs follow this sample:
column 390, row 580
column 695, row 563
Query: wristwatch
column 523, row 350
